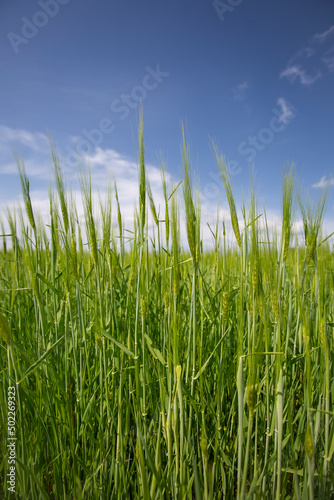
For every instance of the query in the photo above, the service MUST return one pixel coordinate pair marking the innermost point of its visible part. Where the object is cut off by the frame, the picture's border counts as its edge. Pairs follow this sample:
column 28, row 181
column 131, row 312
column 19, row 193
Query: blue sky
column 256, row 76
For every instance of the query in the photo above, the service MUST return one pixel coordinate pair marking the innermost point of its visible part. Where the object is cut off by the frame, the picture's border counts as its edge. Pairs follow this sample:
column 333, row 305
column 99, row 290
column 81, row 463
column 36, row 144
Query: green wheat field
column 147, row 368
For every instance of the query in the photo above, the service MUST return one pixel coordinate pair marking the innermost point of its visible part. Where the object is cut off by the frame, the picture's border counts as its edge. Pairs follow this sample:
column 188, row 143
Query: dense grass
column 157, row 372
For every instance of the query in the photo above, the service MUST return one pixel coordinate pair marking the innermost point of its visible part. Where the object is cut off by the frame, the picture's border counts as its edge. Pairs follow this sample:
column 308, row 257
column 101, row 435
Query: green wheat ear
column 26, row 193
column 166, row 199
column 152, row 204
column 229, row 193
column 61, row 188
column 86, row 187
column 312, row 220
column 188, row 200
column 142, row 174
column 288, row 201
column 5, row 330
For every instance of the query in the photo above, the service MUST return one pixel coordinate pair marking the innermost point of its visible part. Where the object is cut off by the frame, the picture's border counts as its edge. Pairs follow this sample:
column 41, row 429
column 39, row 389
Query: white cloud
column 294, row 72
column 329, row 59
column 128, row 195
column 31, row 148
column 321, row 37
column 239, row 91
column 286, row 109
column 305, row 65
column 304, row 53
column 74, row 139
column 107, row 164
column 324, row 182
column 33, row 167
column 112, row 161
column 34, row 141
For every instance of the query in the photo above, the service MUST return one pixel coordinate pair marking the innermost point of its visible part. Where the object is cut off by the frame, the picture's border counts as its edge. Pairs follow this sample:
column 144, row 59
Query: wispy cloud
column 111, row 160
column 14, row 137
column 35, row 167
column 239, row 91
column 294, row 72
column 32, row 147
column 329, row 59
column 324, row 182
column 310, row 63
column 321, row 37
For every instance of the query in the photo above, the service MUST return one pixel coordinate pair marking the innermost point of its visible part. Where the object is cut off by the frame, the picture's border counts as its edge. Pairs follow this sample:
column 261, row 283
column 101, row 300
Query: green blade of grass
column 41, row 359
